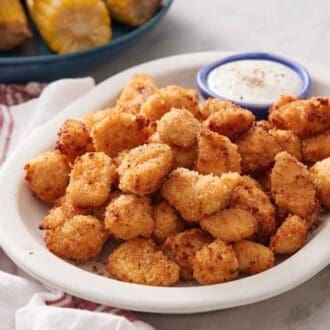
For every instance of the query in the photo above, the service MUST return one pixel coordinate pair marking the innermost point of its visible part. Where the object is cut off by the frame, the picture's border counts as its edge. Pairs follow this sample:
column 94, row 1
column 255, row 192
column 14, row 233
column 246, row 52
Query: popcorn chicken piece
column 248, row 195
column 166, row 221
column 257, row 149
column 178, row 127
column 321, row 174
column 253, row 257
column 73, row 139
column 79, row 238
column 48, row 176
column 135, row 93
column 216, row 154
column 167, row 98
column 182, row 247
column 90, row 119
column 229, row 120
column 90, row 180
column 182, row 157
column 230, row 225
column 290, row 236
column 119, row 131
column 215, row 263
column 265, row 124
column 316, row 148
column 292, row 185
column 303, row 117
column 194, row 195
column 128, row 217
column 62, row 211
column 144, row 168
column 139, row 261
column 213, row 105
column 288, row 141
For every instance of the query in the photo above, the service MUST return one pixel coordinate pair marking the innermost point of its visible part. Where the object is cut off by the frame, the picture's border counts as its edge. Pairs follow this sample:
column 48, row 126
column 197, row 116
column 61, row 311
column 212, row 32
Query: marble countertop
column 295, row 28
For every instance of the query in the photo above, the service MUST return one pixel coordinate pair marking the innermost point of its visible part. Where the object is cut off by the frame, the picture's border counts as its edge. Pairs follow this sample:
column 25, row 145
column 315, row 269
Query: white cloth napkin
column 26, row 304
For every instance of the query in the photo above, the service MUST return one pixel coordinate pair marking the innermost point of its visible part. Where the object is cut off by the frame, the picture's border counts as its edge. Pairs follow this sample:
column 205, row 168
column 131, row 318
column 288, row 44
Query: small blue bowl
column 260, row 110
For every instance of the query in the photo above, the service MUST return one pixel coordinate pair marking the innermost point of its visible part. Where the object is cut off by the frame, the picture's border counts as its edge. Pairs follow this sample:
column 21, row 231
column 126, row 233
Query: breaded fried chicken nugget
column 167, row 98
column 90, row 180
column 119, row 131
column 178, row 127
column 216, row 154
column 129, row 216
column 290, row 236
column 316, row 147
column 257, row 149
column 253, row 257
column 230, row 225
column 79, row 238
column 292, row 185
column 249, row 196
column 139, row 261
column 144, row 168
column 194, row 195
column 288, row 141
column 229, row 120
column 90, row 119
column 215, row 263
column 321, row 174
column 135, row 93
column 48, row 176
column 166, row 221
column 182, row 247
column 212, row 105
column 303, row 117
column 73, row 139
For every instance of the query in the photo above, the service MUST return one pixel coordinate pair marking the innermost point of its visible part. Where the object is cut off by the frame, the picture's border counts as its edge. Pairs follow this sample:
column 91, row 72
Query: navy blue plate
column 34, row 61
column 260, row 110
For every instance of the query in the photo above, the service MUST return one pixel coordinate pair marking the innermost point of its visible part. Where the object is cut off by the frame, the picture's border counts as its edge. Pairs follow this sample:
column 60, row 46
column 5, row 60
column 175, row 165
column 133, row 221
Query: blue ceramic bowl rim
column 17, row 60
column 204, row 72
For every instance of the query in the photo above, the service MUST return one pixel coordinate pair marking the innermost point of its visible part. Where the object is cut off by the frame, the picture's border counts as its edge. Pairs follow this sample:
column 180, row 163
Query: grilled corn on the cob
column 70, row 25
column 132, row 12
column 13, row 24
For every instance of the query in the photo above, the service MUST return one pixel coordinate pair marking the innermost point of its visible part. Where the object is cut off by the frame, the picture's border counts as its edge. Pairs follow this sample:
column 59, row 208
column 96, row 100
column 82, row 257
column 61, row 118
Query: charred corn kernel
column 132, row 12
column 13, row 24
column 71, row 25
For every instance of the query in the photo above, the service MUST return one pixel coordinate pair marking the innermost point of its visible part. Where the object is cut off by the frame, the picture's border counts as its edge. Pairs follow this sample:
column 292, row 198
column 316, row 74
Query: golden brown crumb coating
column 230, row 225
column 48, row 176
column 303, row 117
column 216, row 154
column 215, row 263
column 212, row 105
column 292, row 185
column 143, row 169
column 90, row 180
column 257, row 149
column 167, row 98
column 90, row 119
column 288, row 141
column 321, row 174
column 253, row 257
column 166, row 221
column 73, row 139
column 139, row 261
column 128, row 217
column 135, row 93
column 290, row 236
column 178, row 127
column 229, row 120
column 316, row 148
column 265, row 124
column 194, row 195
column 79, row 238
column 249, row 196
column 182, row 247
column 119, row 131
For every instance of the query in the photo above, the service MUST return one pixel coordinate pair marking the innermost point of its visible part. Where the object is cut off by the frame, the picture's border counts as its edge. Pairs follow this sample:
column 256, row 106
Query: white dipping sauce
column 254, row 81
